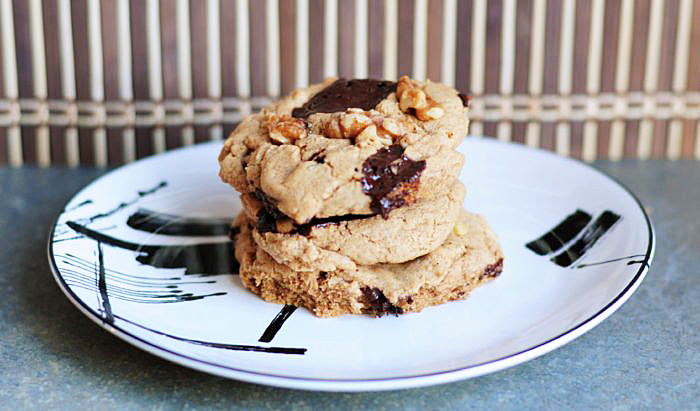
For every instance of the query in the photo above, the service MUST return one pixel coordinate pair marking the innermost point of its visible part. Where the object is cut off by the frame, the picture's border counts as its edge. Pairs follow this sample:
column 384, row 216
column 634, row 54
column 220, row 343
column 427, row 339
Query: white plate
column 201, row 316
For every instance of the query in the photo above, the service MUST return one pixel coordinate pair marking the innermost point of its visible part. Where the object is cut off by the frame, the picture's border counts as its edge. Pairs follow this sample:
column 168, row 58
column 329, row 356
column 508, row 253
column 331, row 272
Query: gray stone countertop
column 646, row 355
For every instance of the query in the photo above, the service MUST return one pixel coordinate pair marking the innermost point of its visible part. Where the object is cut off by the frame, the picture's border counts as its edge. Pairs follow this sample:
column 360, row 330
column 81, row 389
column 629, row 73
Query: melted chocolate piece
column 390, row 179
column 268, row 215
column 305, row 229
column 266, row 222
column 465, row 99
column 318, row 157
column 377, row 303
column 233, row 233
column 344, row 94
column 269, row 204
column 493, row 270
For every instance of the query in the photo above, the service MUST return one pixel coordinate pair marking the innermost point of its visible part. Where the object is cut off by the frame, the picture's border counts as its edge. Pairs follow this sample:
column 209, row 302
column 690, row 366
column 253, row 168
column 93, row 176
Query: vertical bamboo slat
column 622, row 76
column 14, row 137
column 651, row 77
column 126, row 92
column 360, row 42
column 302, row 43
column 184, row 67
column 449, row 42
column 507, row 67
column 36, row 23
column 595, row 58
column 273, row 47
column 68, row 81
column 330, row 43
column 214, row 68
column 566, row 63
column 155, row 73
column 420, row 39
column 478, row 61
column 680, row 78
column 391, row 39
column 536, row 70
column 99, row 134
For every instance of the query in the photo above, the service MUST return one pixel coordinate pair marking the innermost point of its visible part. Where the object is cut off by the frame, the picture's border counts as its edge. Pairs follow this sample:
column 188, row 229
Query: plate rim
column 370, row 384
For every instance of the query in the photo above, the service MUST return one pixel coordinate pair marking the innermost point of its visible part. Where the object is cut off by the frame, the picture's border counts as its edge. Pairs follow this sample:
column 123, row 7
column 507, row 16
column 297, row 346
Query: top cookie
column 348, row 147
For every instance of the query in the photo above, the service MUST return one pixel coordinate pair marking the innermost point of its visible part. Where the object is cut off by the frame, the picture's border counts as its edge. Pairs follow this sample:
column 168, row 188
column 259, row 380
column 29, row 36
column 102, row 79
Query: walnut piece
column 412, row 98
column 371, row 136
column 368, row 128
column 285, row 129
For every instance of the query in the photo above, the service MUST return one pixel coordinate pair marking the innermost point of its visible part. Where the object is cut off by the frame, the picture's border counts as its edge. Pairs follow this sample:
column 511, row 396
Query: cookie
column 344, row 243
column 349, row 147
column 469, row 257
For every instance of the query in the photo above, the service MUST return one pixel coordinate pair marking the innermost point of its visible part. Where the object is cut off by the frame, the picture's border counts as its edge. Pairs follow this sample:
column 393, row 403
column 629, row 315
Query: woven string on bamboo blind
column 106, row 82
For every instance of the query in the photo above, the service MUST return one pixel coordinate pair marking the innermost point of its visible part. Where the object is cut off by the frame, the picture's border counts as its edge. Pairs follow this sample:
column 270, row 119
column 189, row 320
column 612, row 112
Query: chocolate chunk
column 305, row 229
column 266, row 222
column 233, row 232
column 318, row 157
column 390, row 179
column 465, row 99
column 268, row 215
column 493, row 270
column 377, row 303
column 269, row 204
column 344, row 94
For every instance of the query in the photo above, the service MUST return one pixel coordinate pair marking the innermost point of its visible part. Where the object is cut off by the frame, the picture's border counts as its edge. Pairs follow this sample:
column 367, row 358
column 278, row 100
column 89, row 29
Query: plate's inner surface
column 145, row 249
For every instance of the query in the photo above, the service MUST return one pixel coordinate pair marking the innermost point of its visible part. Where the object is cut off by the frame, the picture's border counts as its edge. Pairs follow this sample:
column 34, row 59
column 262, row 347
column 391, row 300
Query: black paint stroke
column 84, row 203
column 605, row 221
column 131, row 288
column 643, row 262
column 277, row 323
column 126, row 204
column 234, row 347
column 614, row 260
column 564, row 232
column 77, row 237
column 102, row 285
column 202, row 259
column 167, row 224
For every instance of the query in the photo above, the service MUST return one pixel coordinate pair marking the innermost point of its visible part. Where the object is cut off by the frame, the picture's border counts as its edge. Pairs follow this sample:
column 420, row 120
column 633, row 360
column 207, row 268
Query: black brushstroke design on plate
column 615, row 260
column 225, row 346
column 126, row 204
column 79, row 273
column 102, row 285
column 61, row 229
column 202, row 259
column 168, row 224
column 605, row 221
column 77, row 237
column 277, row 323
column 564, row 232
column 81, row 204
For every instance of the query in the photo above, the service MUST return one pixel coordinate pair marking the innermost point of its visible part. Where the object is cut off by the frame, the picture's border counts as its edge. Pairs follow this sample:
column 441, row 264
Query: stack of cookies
column 351, row 199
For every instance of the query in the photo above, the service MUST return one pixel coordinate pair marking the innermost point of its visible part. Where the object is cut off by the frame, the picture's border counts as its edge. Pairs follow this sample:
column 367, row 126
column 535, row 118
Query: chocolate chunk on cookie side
column 391, row 179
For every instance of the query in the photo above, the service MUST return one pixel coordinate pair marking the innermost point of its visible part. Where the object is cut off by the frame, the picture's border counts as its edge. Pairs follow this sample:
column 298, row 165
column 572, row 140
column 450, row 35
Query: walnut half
column 285, row 129
column 412, row 98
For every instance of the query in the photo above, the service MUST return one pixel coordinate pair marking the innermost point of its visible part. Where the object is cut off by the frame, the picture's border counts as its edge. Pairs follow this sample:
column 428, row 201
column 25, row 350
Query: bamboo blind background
column 106, row 82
